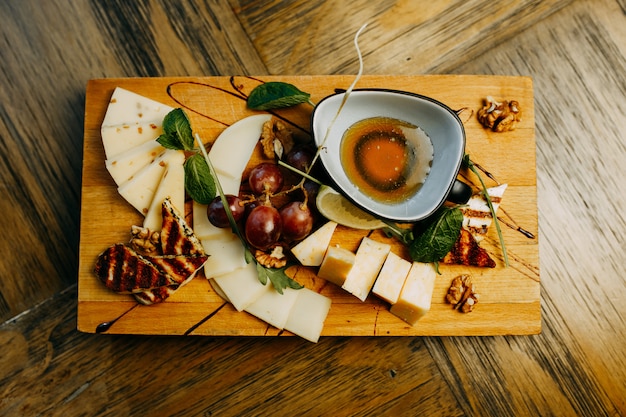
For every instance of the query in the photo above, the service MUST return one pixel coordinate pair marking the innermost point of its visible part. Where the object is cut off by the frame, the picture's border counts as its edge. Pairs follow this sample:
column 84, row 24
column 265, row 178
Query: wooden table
column 574, row 51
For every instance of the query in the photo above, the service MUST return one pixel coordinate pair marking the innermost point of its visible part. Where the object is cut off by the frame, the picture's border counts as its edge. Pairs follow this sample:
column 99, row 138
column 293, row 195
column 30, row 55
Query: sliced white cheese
column 391, row 278
column 476, row 214
column 172, row 185
column 274, row 308
column 417, row 292
column 369, row 259
column 233, row 148
column 130, row 120
column 311, row 250
column 140, row 189
column 226, row 255
column 308, row 314
column 241, row 287
column 125, row 165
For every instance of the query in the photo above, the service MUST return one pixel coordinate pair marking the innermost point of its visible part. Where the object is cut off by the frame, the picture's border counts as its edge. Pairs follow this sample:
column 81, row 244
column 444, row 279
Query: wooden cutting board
column 509, row 297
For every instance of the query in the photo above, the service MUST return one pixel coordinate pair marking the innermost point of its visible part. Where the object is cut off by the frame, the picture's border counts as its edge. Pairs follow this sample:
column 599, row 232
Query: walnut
column 274, row 258
column 500, row 117
column 276, row 138
column 462, row 294
column 144, row 240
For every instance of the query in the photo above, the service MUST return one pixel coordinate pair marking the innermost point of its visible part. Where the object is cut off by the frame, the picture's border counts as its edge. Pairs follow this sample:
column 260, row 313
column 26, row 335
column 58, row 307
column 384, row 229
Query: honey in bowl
column 386, row 158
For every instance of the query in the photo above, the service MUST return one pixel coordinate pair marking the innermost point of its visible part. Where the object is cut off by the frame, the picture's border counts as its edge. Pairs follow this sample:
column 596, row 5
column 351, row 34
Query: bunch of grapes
column 265, row 225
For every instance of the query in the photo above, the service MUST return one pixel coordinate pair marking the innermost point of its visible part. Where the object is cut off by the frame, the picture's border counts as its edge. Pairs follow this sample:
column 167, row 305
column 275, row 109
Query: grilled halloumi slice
column 476, row 214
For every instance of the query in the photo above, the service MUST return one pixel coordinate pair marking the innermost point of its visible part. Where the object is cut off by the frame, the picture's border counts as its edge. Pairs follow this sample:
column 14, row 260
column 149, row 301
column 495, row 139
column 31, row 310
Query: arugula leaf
column 199, row 182
column 277, row 277
column 274, row 95
column 176, row 131
column 441, row 232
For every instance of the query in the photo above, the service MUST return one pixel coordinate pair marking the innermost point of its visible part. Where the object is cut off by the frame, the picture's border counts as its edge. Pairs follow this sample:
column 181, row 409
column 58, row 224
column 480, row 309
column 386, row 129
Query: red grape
column 217, row 214
column 297, row 220
column 300, row 158
column 263, row 227
column 266, row 178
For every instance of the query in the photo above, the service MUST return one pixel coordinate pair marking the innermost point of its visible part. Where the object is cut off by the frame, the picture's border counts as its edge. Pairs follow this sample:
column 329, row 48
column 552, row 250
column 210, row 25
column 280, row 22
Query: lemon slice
column 339, row 209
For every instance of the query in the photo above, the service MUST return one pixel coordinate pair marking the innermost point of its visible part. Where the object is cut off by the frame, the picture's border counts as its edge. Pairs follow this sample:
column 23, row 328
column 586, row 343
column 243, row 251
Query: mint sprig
column 276, row 94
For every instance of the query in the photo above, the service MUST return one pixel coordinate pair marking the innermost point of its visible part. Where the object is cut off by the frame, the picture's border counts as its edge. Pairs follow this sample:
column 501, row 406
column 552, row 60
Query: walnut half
column 461, row 294
column 276, row 138
column 500, row 117
column 274, row 258
column 144, row 241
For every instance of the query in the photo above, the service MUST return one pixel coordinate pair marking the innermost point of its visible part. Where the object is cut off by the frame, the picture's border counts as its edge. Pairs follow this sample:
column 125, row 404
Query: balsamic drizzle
column 105, row 326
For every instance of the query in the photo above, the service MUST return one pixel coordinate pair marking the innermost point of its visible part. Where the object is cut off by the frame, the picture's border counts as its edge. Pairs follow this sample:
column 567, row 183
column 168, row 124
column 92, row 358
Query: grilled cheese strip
column 467, row 252
column 177, row 238
column 123, row 270
column 178, row 267
column 476, row 214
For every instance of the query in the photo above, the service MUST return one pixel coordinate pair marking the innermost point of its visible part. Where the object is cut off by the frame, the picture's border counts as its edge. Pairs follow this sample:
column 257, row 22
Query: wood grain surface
column 574, row 51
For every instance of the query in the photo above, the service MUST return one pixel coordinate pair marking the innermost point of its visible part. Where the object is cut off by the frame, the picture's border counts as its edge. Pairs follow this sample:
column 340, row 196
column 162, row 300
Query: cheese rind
column 336, row 265
column 370, row 257
column 417, row 292
column 308, row 314
column 311, row 250
column 391, row 278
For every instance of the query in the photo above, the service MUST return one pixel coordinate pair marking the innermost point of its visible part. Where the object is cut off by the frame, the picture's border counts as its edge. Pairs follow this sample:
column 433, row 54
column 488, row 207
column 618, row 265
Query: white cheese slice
column 123, row 166
column 272, row 307
column 172, row 185
column 140, row 189
column 369, row 259
column 311, row 250
column 241, row 287
column 417, row 292
column 226, row 255
column 391, row 278
column 130, row 120
column 476, row 214
column 233, row 148
column 308, row 314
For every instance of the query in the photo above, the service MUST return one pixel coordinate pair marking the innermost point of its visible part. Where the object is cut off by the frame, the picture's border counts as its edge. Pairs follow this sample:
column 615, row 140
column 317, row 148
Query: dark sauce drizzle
column 105, row 326
column 204, row 320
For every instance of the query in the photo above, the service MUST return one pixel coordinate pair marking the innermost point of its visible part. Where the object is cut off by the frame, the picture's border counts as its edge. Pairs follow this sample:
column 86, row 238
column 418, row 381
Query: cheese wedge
column 123, row 166
column 476, row 214
column 369, row 259
column 311, row 250
column 130, row 120
column 240, row 287
column 172, row 186
column 337, row 264
column 227, row 255
column 274, row 308
column 417, row 292
column 233, row 148
column 307, row 316
column 391, row 278
column 139, row 190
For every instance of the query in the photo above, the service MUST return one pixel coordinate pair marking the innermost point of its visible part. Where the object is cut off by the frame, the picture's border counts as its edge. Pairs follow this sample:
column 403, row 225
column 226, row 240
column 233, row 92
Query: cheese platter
column 509, row 295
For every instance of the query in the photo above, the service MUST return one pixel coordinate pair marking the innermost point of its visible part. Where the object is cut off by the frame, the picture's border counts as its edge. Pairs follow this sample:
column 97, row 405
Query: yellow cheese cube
column 336, row 265
column 417, row 292
column 391, row 278
column 370, row 257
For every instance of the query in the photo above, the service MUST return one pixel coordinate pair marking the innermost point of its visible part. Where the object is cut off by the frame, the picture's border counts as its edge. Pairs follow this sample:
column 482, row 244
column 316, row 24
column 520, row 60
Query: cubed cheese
column 417, row 292
column 125, row 165
column 370, row 257
column 274, row 308
column 226, row 255
column 172, row 185
column 308, row 314
column 336, row 265
column 241, row 287
column 139, row 190
column 311, row 250
column 232, row 149
column 391, row 278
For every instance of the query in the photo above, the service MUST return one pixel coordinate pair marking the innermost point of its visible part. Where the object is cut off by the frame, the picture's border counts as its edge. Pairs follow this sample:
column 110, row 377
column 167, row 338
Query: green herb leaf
column 176, row 131
column 199, row 182
column 439, row 237
column 274, row 95
column 277, row 277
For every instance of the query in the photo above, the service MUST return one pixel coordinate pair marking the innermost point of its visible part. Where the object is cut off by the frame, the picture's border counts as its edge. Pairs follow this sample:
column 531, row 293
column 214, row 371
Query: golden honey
column 386, row 158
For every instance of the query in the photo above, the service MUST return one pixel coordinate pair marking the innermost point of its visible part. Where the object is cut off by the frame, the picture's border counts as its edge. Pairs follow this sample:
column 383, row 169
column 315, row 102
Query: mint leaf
column 442, row 231
column 274, row 95
column 199, row 182
column 277, row 277
column 176, row 131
